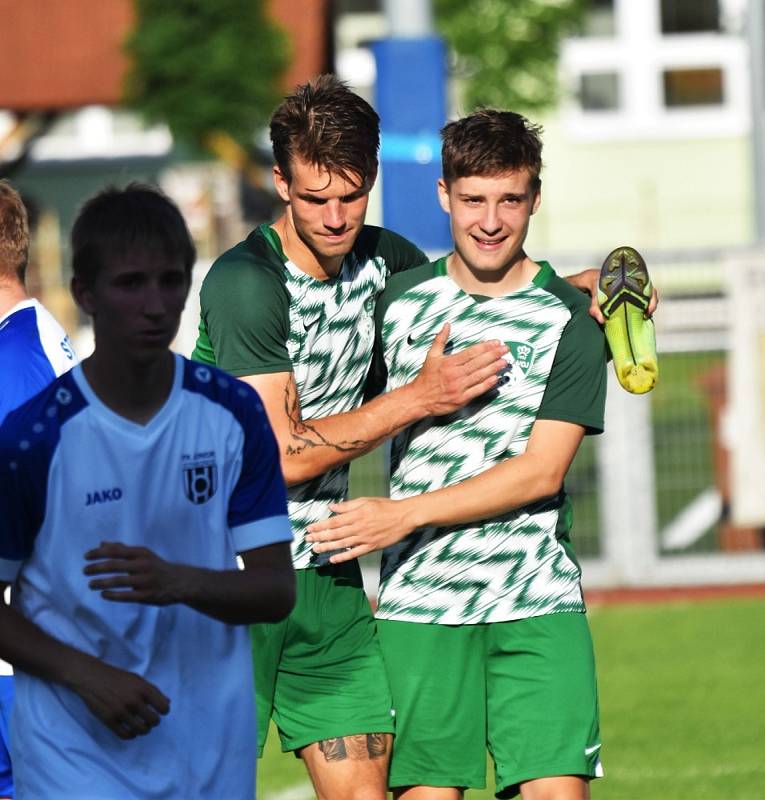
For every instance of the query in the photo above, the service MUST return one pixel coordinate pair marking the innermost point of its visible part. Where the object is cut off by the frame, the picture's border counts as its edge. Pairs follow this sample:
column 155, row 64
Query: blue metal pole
column 411, row 101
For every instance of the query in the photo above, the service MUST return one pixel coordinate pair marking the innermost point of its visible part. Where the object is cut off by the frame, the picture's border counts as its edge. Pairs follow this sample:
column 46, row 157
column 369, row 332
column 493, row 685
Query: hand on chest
column 407, row 351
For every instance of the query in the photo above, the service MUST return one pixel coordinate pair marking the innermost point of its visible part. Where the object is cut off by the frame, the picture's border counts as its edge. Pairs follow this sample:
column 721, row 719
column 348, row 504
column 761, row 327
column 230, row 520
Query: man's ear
column 370, row 181
column 83, row 295
column 281, row 184
column 537, row 199
column 443, row 196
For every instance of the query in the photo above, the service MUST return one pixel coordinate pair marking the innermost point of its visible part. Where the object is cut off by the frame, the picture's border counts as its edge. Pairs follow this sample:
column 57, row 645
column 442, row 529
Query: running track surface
column 664, row 594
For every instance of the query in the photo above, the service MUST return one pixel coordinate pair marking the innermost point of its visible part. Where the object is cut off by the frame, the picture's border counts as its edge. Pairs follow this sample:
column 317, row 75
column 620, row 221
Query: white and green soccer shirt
column 520, row 564
column 260, row 313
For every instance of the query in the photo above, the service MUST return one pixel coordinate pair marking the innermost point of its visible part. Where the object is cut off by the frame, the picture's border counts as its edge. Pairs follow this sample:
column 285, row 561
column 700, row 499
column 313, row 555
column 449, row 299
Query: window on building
column 693, row 87
column 599, row 91
column 64, row 125
column 599, row 18
column 690, row 16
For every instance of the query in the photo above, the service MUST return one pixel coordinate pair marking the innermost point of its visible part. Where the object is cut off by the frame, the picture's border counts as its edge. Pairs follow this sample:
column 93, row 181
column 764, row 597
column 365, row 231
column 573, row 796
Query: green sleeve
column 245, row 316
column 576, row 387
column 203, row 351
column 403, row 254
column 398, row 253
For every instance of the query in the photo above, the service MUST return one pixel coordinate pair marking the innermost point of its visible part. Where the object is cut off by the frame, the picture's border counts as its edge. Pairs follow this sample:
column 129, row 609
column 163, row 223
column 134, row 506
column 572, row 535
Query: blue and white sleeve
column 257, row 512
column 19, row 519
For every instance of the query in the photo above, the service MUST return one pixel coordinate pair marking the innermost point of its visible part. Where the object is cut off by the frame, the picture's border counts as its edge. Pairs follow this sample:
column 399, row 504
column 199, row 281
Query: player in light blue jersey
column 34, row 349
column 127, row 489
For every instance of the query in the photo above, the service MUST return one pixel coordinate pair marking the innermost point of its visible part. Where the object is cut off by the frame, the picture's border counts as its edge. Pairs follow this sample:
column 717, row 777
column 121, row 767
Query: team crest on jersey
column 200, row 478
column 520, row 358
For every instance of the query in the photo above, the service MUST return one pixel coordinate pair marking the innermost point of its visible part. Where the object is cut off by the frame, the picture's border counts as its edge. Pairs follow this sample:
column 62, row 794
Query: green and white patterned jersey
column 520, row 564
column 260, row 313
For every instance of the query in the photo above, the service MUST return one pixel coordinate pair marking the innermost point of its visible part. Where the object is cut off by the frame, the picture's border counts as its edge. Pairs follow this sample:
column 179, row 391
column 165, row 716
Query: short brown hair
column 326, row 124
column 14, row 234
column 490, row 142
column 118, row 222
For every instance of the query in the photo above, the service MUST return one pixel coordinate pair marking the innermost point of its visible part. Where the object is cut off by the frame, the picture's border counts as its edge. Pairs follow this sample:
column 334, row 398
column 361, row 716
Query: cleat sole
column 624, row 294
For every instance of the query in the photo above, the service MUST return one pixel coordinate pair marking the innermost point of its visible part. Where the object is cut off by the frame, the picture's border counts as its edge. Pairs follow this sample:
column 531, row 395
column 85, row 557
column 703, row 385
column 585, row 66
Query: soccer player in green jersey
column 480, row 613
column 291, row 311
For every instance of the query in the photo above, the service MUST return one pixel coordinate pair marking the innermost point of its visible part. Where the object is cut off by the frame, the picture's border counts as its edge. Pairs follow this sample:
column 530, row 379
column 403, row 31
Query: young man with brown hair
column 480, row 611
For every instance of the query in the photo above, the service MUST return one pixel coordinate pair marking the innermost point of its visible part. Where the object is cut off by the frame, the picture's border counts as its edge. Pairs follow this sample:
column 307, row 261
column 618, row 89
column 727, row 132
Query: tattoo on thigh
column 377, row 745
column 361, row 747
column 356, row 747
column 333, row 749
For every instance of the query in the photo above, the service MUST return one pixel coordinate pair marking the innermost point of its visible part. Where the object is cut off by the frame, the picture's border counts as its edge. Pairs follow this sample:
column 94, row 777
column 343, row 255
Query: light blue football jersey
column 34, row 349
column 197, row 484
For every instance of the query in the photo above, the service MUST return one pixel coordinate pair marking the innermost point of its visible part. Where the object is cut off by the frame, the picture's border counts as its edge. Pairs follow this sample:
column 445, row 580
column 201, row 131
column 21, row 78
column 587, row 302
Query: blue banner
column 411, row 101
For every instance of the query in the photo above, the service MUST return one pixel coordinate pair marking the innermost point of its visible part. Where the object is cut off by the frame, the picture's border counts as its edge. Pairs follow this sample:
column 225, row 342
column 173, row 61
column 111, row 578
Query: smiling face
column 136, row 303
column 325, row 214
column 489, row 220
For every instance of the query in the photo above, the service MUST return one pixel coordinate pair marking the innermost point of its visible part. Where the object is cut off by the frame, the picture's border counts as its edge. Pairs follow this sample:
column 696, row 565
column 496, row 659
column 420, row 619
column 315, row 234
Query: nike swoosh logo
column 589, row 750
column 428, row 338
column 308, row 325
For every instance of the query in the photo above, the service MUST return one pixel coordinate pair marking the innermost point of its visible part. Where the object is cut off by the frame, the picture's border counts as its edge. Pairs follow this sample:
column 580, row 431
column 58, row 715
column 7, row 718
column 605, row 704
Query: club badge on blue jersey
column 200, row 480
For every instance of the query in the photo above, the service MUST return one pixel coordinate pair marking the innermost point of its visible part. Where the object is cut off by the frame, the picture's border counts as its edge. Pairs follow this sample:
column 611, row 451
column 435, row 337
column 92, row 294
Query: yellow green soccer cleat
column 624, row 292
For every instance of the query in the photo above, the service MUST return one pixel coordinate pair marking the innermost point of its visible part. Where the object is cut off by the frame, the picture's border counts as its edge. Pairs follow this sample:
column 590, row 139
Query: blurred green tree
column 506, row 51
column 210, row 70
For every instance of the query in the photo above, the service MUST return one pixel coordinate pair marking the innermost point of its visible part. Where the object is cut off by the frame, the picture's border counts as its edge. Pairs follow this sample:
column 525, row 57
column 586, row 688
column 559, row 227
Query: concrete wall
column 656, row 194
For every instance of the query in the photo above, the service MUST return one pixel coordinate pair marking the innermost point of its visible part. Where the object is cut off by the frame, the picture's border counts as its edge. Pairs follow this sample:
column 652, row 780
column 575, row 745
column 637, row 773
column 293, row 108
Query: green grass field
column 682, row 689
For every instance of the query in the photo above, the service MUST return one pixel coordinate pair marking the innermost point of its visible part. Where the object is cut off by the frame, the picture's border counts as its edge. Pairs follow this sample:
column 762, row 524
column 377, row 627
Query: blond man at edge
column 290, row 311
column 34, row 349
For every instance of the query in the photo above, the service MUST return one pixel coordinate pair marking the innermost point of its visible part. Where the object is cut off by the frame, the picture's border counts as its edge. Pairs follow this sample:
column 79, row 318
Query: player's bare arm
column 264, row 591
column 373, row 523
column 126, row 703
column 587, row 281
column 310, row 447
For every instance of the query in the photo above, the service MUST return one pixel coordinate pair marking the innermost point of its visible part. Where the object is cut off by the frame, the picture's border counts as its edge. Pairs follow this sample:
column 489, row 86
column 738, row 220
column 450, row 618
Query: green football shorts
column 525, row 689
column 320, row 674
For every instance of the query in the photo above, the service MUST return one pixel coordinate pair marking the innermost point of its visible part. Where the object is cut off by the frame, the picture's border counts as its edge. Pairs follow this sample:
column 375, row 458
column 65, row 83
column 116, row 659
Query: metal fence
column 664, row 489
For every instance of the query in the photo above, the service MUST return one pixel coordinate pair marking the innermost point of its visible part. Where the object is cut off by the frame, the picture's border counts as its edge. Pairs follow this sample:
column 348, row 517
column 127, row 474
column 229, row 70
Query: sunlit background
column 653, row 117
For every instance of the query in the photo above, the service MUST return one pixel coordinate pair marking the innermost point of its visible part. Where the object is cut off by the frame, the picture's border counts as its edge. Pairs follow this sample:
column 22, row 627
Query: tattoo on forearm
column 305, row 435
column 361, row 747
